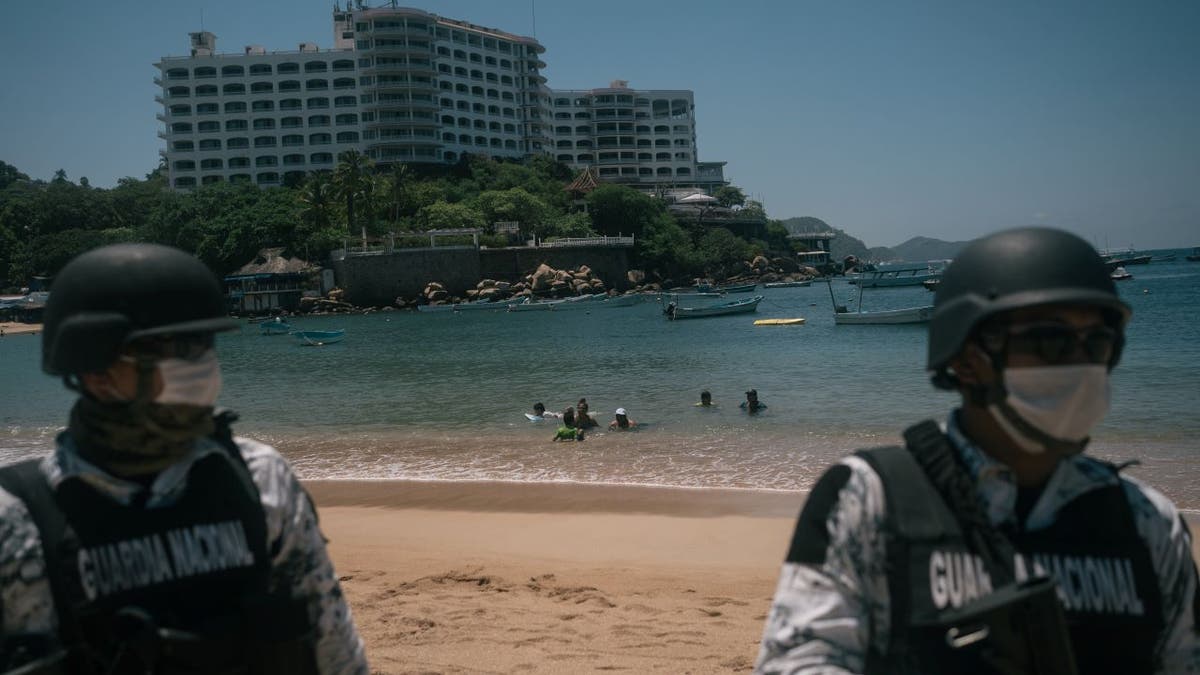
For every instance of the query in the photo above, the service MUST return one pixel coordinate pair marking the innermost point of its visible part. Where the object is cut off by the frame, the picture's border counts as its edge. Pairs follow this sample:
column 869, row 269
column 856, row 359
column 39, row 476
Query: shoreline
column 14, row 328
column 556, row 498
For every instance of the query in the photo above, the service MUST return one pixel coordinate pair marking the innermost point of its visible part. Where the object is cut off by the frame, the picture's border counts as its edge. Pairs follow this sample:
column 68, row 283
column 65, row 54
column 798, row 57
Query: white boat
column 843, row 316
column 896, row 277
column 886, row 316
column 477, row 305
column 787, row 284
column 316, row 338
column 673, row 311
column 1121, row 274
column 563, row 304
column 621, row 300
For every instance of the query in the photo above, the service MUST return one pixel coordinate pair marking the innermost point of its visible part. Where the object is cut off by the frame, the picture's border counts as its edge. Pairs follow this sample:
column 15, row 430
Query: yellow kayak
column 779, row 322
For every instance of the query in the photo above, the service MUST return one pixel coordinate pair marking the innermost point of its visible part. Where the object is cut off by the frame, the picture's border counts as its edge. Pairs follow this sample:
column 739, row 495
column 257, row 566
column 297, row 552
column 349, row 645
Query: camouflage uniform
column 825, row 618
column 300, row 565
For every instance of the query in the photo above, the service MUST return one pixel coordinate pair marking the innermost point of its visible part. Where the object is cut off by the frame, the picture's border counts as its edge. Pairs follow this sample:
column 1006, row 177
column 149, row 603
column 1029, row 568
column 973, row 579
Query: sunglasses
column 1055, row 343
column 188, row 347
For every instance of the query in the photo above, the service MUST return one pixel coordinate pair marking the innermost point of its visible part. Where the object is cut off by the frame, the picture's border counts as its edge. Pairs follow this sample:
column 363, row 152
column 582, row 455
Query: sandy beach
column 556, row 578
column 507, row 577
column 14, row 328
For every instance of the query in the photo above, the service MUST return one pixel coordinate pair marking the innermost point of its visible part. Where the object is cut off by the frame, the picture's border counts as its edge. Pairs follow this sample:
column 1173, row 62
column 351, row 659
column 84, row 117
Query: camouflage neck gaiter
column 136, row 439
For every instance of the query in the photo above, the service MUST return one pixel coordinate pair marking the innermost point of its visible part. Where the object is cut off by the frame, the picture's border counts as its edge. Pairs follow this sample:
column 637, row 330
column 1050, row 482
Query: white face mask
column 190, row 382
column 1063, row 402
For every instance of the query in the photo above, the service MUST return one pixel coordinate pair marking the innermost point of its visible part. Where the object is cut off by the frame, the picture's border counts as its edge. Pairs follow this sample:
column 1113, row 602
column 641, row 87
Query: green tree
column 730, row 196
column 566, row 225
column 616, row 209
column 665, row 249
column 445, row 216
column 513, row 204
column 352, row 179
column 397, row 187
column 316, row 199
column 719, row 251
column 9, row 175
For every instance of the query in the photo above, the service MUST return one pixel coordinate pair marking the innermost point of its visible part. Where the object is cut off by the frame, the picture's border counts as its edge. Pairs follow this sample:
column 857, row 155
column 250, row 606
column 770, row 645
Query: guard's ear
column 973, row 365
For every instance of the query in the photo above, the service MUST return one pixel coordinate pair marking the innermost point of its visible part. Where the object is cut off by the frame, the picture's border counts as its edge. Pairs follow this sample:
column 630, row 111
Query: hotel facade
column 403, row 85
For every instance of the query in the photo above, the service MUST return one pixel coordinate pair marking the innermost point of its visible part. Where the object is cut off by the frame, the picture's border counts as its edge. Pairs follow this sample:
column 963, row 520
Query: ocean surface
column 441, row 396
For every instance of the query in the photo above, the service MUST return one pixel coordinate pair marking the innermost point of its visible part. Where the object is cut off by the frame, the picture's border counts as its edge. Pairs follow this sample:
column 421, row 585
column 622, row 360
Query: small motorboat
column 276, row 326
column 673, row 311
column 317, row 338
column 798, row 321
column 787, row 284
column 1121, row 274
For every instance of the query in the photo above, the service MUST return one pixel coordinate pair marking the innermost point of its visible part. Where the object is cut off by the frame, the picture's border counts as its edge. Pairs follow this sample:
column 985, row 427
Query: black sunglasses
column 1055, row 343
column 187, row 346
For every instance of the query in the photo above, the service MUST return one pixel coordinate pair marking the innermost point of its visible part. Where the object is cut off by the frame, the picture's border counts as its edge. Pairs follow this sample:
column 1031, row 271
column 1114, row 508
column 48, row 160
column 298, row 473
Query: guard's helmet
column 107, row 297
column 1017, row 268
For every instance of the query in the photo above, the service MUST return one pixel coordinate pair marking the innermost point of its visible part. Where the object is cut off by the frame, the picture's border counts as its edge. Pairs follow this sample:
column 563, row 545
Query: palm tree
column 352, row 179
column 317, row 195
column 397, row 179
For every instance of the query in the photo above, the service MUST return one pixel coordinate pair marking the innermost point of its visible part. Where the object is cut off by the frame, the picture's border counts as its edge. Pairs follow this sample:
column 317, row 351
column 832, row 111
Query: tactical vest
column 1105, row 577
column 181, row 588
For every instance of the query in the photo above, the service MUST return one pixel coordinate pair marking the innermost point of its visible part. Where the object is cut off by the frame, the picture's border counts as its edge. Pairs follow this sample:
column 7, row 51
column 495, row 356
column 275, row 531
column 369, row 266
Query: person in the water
column 621, row 421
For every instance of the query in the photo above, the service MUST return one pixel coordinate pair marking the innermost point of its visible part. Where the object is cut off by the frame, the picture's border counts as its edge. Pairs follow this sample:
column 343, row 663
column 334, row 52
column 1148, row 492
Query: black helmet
column 104, row 298
column 1008, row 270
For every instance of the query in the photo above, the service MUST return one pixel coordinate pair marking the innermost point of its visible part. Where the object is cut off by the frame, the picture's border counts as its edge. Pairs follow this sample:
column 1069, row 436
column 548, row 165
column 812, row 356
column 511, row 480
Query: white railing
column 587, row 241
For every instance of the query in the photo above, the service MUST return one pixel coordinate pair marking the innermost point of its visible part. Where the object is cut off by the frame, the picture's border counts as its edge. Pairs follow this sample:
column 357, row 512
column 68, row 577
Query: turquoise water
column 441, row 396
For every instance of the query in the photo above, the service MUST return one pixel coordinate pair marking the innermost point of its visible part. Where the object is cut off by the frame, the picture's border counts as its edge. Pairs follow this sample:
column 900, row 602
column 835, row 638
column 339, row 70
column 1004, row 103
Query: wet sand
column 509, row 577
column 484, row 577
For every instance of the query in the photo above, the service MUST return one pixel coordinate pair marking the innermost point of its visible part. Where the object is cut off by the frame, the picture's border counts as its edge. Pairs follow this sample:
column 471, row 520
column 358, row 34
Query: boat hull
column 787, row 284
column 885, row 317
column 740, row 307
column 319, row 337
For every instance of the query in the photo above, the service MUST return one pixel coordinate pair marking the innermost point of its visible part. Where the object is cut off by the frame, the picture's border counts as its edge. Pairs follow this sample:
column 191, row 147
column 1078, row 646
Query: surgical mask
column 195, row 382
column 1063, row 402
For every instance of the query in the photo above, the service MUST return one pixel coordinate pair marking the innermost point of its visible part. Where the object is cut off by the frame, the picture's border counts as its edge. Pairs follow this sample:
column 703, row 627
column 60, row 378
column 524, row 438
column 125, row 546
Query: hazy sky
column 889, row 119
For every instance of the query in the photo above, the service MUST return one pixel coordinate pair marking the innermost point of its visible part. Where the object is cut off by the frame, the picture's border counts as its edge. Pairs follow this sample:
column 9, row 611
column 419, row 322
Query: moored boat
column 1194, row 256
column 884, row 317
column 1121, row 274
column 477, row 305
column 276, row 327
column 890, row 278
column 843, row 316
column 317, row 338
column 787, row 284
column 673, row 311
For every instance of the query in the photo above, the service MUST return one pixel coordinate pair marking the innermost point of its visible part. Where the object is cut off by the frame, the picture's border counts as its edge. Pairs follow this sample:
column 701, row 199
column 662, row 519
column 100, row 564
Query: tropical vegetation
column 43, row 224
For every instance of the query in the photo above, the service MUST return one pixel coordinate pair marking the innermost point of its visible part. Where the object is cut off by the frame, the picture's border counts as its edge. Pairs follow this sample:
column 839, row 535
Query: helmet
column 1008, row 270
column 106, row 297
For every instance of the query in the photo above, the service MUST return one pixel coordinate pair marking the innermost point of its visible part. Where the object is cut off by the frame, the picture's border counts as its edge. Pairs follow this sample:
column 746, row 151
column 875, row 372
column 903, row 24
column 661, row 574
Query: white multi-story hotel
column 643, row 137
column 403, row 85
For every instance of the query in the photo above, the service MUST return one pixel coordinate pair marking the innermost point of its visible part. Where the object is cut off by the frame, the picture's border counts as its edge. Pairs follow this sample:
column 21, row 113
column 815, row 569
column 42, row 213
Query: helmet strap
column 145, row 383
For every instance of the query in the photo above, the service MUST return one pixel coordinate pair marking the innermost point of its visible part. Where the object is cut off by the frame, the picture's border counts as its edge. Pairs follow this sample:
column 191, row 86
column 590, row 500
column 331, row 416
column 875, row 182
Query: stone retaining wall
column 376, row 280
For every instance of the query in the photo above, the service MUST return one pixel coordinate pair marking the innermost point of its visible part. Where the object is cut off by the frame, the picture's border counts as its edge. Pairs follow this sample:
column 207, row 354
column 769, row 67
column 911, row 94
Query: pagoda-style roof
column 585, row 182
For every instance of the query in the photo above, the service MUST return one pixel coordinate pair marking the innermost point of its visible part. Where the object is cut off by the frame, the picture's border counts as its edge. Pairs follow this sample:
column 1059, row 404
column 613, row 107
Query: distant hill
column 924, row 248
column 843, row 244
column 917, row 249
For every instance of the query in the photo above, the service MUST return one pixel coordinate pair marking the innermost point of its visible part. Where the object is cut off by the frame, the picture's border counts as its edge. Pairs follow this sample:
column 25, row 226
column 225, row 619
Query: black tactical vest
column 182, row 587
column 1106, row 581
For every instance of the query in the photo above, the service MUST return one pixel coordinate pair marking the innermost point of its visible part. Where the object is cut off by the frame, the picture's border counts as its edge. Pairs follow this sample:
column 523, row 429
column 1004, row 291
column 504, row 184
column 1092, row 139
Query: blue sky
column 889, row 119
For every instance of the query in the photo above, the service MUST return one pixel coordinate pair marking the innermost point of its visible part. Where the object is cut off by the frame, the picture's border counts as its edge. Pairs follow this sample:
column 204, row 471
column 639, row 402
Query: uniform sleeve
column 301, row 565
column 831, row 603
column 26, row 604
column 1166, row 535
